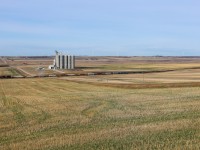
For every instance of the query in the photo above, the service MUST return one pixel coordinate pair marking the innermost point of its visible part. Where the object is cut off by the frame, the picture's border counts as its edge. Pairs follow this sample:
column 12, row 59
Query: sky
column 100, row 27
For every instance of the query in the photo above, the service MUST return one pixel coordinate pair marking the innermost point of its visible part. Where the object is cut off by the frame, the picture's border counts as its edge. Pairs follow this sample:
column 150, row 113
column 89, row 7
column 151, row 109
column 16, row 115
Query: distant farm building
column 62, row 61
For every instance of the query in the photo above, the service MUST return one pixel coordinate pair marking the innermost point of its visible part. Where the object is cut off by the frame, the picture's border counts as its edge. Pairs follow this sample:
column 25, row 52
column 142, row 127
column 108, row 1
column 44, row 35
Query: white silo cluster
column 62, row 61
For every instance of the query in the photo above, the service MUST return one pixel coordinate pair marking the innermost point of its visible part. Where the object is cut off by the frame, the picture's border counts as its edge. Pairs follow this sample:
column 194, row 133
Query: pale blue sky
column 100, row 27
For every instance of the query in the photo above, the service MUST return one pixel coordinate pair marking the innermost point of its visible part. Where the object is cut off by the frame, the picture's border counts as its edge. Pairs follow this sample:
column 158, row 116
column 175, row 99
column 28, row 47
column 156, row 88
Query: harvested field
column 136, row 63
column 57, row 114
column 118, row 111
column 7, row 71
column 3, row 62
column 90, row 64
column 32, row 61
column 179, row 78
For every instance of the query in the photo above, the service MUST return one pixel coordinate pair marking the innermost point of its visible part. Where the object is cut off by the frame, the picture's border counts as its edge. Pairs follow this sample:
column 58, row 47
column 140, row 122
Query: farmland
column 50, row 113
column 7, row 71
column 116, row 111
column 28, row 66
column 191, row 76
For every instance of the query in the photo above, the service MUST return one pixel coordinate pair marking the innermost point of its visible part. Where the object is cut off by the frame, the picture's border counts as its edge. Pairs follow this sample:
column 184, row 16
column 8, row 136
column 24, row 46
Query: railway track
column 28, row 75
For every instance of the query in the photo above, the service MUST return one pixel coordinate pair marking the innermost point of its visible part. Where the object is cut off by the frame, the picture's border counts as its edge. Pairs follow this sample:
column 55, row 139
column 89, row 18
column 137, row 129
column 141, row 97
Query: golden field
column 154, row 110
column 57, row 114
column 7, row 71
column 180, row 76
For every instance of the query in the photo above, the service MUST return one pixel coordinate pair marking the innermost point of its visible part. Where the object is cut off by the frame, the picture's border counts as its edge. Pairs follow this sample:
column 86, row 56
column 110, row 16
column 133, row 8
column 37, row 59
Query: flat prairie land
column 58, row 114
column 29, row 61
column 178, row 76
column 92, row 64
column 1, row 62
column 136, row 63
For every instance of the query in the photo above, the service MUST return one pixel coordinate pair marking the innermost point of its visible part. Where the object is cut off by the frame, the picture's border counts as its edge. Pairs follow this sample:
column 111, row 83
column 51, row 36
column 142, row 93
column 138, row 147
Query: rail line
column 84, row 73
column 28, row 75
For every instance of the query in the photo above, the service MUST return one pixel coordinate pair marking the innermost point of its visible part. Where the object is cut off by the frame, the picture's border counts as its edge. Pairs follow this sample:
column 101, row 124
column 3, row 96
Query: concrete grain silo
column 63, row 61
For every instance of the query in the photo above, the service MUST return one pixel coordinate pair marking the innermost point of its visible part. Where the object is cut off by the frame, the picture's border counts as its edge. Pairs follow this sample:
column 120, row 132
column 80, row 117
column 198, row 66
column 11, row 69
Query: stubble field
column 119, row 111
column 58, row 114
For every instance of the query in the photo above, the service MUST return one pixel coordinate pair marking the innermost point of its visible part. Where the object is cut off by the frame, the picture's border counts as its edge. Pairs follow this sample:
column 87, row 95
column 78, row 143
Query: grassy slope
column 6, row 71
column 56, row 114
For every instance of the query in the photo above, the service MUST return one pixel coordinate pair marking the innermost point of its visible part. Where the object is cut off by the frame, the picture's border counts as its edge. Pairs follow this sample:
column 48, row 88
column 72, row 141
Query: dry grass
column 25, row 61
column 90, row 64
column 91, row 113
column 34, row 70
column 7, row 71
column 179, row 78
column 136, row 63
column 58, row 114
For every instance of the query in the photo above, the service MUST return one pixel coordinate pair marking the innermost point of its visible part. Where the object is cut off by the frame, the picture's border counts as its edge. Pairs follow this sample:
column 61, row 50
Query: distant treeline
column 28, row 57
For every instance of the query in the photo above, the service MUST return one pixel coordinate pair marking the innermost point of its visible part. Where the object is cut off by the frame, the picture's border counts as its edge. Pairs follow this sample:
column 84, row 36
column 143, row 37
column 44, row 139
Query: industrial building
column 62, row 61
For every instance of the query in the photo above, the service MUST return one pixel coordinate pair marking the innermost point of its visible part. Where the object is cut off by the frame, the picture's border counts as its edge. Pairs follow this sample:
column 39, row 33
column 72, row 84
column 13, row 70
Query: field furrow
column 58, row 114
